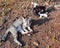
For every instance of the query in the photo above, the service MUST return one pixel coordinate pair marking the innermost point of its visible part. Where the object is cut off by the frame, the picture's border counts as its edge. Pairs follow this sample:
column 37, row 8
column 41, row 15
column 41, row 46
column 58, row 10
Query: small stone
column 28, row 34
column 46, row 3
column 57, row 6
column 35, row 43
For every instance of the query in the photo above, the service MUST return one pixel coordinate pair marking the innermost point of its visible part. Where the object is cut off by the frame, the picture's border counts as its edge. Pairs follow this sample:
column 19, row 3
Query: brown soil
column 46, row 30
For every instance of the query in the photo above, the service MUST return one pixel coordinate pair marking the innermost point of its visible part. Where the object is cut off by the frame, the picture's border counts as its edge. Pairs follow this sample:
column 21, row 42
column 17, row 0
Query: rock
column 57, row 6
column 35, row 43
column 46, row 3
column 29, row 35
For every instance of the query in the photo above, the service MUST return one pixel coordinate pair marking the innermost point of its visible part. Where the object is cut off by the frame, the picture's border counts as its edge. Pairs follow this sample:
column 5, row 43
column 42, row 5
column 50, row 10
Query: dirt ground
column 46, row 30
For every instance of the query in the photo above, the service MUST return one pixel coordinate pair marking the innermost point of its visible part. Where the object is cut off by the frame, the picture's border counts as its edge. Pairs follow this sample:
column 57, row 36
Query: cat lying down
column 39, row 10
column 19, row 25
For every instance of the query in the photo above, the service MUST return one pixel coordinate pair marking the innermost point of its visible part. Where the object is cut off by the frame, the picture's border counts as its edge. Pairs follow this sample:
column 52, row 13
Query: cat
column 39, row 10
column 18, row 25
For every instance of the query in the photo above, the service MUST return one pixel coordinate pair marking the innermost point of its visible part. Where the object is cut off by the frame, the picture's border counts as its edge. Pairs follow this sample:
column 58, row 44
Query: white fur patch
column 35, row 4
column 44, row 14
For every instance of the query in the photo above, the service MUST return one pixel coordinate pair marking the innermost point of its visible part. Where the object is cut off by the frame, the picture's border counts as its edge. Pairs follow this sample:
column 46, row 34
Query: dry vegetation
column 46, row 31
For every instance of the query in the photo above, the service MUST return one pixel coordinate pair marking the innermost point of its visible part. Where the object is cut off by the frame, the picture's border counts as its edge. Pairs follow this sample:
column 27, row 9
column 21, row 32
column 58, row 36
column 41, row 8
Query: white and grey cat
column 19, row 25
